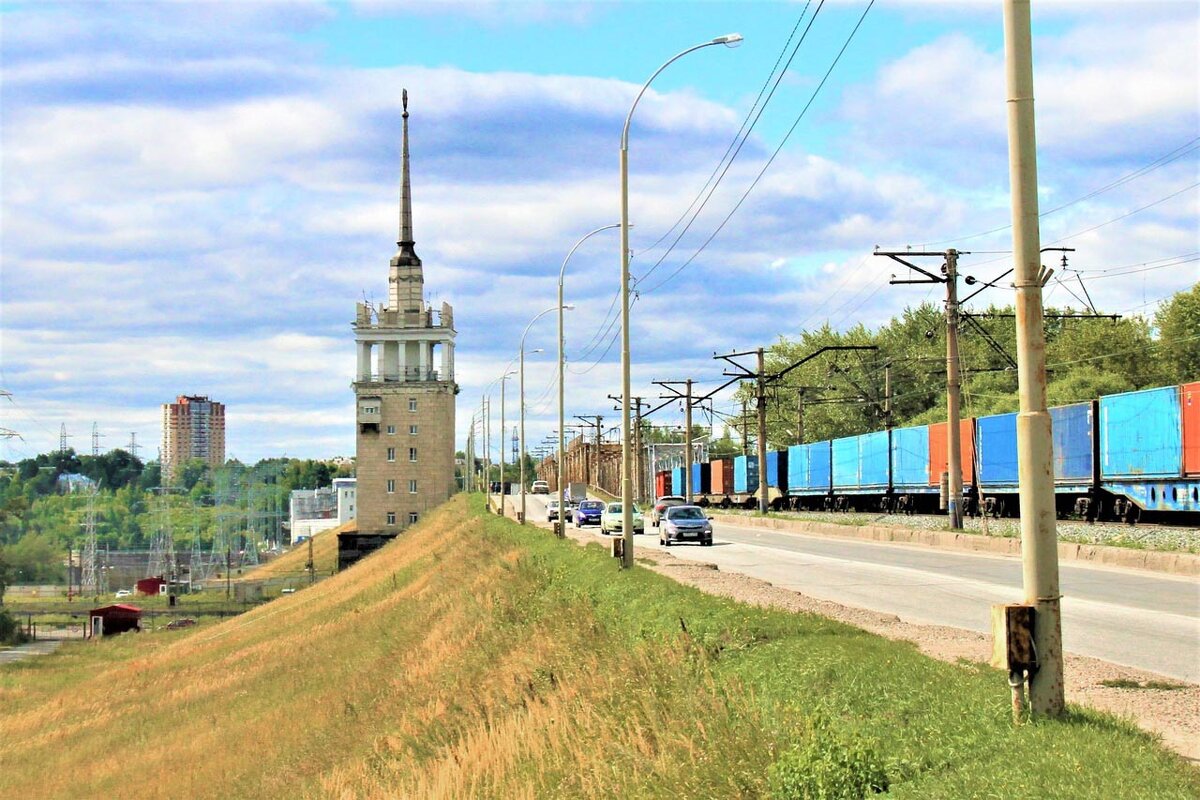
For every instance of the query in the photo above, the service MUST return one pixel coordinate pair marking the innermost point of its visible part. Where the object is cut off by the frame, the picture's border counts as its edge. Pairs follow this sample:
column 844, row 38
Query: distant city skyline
column 196, row 194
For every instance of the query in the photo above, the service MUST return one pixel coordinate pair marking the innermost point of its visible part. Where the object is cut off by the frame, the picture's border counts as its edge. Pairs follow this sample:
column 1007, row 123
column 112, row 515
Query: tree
column 1178, row 323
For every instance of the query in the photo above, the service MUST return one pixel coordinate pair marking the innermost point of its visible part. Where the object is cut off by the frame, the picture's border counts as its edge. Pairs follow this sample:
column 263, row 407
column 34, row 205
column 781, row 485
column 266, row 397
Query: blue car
column 588, row 513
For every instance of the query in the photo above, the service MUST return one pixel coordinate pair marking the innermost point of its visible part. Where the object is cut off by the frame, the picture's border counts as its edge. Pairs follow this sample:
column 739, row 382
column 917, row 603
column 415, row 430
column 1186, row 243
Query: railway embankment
column 474, row 657
column 1004, row 541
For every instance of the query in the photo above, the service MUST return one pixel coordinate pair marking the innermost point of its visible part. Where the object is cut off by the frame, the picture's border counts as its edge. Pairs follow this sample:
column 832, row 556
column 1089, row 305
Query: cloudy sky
column 194, row 195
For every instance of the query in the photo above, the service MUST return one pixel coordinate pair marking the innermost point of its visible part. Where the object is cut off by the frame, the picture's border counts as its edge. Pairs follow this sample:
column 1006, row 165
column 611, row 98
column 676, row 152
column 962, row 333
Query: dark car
column 588, row 513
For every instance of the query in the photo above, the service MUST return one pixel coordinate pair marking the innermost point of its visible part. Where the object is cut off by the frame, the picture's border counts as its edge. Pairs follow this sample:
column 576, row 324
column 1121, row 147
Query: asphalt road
column 1129, row 617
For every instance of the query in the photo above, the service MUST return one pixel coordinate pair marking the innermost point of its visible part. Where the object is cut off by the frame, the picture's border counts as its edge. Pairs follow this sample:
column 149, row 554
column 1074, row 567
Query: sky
column 193, row 196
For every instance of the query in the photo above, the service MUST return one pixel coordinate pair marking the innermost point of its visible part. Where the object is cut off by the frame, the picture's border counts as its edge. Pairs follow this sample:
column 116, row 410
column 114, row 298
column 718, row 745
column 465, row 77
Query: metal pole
column 626, row 483
column 762, row 432
column 626, row 441
column 800, row 416
column 639, row 459
column 503, row 381
column 560, row 523
column 887, row 396
column 687, row 444
column 953, row 439
column 1039, row 537
column 522, row 405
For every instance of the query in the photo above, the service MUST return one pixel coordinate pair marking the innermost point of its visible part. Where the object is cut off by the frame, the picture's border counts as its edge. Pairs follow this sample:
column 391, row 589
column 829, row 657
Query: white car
column 552, row 510
column 123, row 593
column 540, row 487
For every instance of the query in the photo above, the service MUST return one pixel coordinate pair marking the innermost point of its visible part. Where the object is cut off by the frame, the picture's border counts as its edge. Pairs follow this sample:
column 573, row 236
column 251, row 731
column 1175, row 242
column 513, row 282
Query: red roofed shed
column 114, row 619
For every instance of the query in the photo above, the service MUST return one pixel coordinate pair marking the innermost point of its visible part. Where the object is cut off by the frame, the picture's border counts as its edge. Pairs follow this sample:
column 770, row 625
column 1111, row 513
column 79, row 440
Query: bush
column 825, row 766
column 10, row 629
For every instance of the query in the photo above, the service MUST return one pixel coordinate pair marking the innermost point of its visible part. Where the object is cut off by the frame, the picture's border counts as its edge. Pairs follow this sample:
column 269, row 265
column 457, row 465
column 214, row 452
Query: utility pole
column 949, row 277
column 762, row 380
column 800, row 415
column 761, row 397
column 689, row 454
column 503, row 495
column 745, row 420
column 639, row 460
column 228, row 560
column 887, row 395
column 62, row 438
column 96, row 437
column 133, row 445
column 1039, row 537
column 953, row 393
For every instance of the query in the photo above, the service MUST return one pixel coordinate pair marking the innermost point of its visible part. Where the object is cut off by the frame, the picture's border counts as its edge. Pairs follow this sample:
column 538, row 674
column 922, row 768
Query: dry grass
column 292, row 563
column 471, row 658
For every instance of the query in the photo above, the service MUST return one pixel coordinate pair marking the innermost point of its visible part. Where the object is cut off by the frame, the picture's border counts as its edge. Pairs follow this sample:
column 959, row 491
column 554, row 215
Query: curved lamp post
column 521, row 369
column 731, row 40
column 561, row 523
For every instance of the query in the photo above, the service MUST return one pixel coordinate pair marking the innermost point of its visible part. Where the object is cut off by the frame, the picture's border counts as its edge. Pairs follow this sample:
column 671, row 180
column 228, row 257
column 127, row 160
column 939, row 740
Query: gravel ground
column 1173, row 714
column 1148, row 537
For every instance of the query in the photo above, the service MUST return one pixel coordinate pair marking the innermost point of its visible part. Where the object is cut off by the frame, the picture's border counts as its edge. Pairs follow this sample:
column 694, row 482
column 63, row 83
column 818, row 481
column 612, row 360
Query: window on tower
column 412, row 404
column 391, row 454
column 391, row 518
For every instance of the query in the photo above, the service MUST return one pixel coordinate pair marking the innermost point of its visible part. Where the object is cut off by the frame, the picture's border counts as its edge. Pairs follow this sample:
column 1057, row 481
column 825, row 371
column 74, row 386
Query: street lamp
column 560, row 523
column 730, row 40
column 560, row 307
column 485, row 404
column 503, row 380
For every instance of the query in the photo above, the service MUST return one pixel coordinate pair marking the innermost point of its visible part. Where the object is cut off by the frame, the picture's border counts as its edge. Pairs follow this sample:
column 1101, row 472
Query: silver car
column 685, row 523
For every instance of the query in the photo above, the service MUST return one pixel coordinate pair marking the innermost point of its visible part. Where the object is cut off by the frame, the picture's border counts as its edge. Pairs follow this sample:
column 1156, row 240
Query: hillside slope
column 472, row 658
column 292, row 563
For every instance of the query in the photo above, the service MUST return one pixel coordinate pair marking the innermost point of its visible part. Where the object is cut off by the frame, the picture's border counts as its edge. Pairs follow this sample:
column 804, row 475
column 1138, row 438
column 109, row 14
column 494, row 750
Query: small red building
column 114, row 619
column 152, row 586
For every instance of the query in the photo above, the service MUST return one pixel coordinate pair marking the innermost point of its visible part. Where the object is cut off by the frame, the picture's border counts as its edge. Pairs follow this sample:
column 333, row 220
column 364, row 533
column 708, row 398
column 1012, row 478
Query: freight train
column 1115, row 457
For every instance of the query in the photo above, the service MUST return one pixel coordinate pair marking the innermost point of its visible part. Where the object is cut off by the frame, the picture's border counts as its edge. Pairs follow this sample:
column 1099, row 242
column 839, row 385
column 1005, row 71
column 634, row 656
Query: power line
column 774, row 155
column 745, row 121
column 744, row 139
column 1161, row 161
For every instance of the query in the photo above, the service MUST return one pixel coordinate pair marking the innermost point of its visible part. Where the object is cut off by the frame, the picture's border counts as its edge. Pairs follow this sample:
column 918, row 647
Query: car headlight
column 671, row 528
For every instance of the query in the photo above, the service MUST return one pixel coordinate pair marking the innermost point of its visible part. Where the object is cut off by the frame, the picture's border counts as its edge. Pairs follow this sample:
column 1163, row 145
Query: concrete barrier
column 1173, row 563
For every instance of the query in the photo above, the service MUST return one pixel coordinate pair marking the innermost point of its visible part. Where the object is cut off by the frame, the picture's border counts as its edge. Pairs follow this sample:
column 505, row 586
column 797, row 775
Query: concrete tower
column 405, row 390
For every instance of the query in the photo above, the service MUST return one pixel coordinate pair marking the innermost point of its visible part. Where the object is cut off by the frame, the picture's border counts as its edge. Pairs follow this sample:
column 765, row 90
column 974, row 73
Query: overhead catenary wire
column 812, row 98
column 729, row 163
column 745, row 121
column 1179, row 152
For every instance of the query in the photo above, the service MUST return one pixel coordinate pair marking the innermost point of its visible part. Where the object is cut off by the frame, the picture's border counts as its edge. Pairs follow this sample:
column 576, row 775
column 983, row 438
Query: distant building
column 346, row 491
column 193, row 427
column 404, row 390
column 312, row 511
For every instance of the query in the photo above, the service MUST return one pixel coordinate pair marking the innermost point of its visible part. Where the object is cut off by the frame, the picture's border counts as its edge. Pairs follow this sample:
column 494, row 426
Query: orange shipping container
column 937, row 451
column 721, row 471
column 1190, row 402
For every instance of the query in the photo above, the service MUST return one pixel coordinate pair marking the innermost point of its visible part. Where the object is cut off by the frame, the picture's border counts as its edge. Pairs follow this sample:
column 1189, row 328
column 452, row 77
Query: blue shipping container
column 862, row 462
column 996, row 450
column 777, row 469
column 1073, row 432
column 745, row 474
column 910, row 458
column 820, row 466
column 1141, row 434
column 677, row 481
column 808, row 467
column 701, row 484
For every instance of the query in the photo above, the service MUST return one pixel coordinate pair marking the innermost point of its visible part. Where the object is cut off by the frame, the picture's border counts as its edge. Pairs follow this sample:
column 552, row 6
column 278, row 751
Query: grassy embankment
column 475, row 658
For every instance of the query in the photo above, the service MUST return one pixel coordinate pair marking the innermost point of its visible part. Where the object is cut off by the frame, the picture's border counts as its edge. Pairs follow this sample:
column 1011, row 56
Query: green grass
column 476, row 658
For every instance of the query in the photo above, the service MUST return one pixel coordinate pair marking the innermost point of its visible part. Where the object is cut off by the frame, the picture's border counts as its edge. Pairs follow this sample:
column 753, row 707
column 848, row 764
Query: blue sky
column 195, row 195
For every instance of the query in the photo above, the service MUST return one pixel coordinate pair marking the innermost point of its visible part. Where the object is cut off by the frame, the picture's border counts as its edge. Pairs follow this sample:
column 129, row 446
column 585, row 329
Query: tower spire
column 405, row 241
